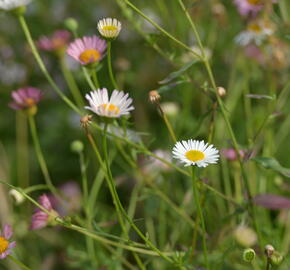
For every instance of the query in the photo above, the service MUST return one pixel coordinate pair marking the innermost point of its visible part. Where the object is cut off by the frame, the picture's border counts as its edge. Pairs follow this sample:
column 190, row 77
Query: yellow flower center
column 3, row 244
column 110, row 28
column 195, row 155
column 111, row 108
column 254, row 2
column 89, row 56
column 29, row 102
column 254, row 27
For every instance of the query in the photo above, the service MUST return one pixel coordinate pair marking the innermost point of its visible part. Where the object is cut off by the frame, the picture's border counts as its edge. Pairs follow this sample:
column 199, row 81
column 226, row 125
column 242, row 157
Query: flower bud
column 170, row 108
column 276, row 258
column 17, row 196
column 249, row 255
column 77, row 146
column 245, row 236
column 221, row 91
column 269, row 250
column 71, row 24
column 154, row 96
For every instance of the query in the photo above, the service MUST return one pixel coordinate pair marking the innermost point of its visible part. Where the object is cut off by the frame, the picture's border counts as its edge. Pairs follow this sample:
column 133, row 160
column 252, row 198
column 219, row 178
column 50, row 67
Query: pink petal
column 7, row 232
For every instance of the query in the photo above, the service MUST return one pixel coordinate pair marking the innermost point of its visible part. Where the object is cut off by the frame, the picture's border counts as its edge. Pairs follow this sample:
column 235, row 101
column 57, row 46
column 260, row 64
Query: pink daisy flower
column 250, row 7
column 230, row 154
column 5, row 245
column 87, row 50
column 25, row 98
column 57, row 41
column 41, row 219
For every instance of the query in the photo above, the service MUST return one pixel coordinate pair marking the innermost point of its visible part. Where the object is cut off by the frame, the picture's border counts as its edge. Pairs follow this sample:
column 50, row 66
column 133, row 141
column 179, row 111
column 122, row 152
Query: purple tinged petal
column 271, row 201
column 7, row 231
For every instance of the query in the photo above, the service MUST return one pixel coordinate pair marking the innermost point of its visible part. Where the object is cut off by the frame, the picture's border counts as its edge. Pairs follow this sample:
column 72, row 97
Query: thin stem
column 42, row 66
column 75, row 91
column 200, row 215
column 40, row 156
column 20, row 264
column 167, row 123
column 88, row 78
column 109, row 58
column 95, row 78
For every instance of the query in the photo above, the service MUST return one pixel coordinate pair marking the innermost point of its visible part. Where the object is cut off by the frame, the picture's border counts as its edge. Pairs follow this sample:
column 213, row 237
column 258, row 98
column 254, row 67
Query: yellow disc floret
column 3, row 244
column 195, row 155
column 111, row 108
column 90, row 56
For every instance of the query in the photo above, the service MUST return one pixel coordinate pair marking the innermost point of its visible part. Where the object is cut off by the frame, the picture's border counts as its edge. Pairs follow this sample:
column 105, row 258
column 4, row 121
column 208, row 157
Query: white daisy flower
column 109, row 28
column 193, row 152
column 119, row 104
column 12, row 4
column 256, row 33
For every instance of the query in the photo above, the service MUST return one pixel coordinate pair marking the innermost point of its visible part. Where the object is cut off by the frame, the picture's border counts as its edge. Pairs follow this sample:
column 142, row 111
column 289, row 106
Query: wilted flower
column 109, row 28
column 17, row 196
column 41, row 219
column 119, row 103
column 25, row 98
column 13, row 4
column 5, row 245
column 87, row 50
column 256, row 32
column 154, row 96
column 56, row 42
column 193, row 152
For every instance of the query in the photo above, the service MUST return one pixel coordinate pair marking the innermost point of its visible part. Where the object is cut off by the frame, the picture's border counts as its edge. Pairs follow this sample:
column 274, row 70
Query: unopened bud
column 71, row 24
column 17, row 196
column 269, row 250
column 221, row 91
column 276, row 258
column 77, row 146
column 249, row 255
column 154, row 96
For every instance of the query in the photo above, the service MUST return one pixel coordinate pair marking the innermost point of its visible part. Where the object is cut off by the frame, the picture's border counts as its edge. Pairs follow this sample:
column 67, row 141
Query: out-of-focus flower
column 26, row 98
column 56, row 42
column 248, row 7
column 230, row 154
column 119, row 103
column 156, row 164
column 41, row 219
column 189, row 56
column 109, row 28
column 70, row 201
column 256, row 32
column 254, row 52
column 245, row 236
column 12, row 73
column 17, row 196
column 221, row 91
column 273, row 202
column 13, row 4
column 193, row 152
column 87, row 50
column 5, row 245
column 170, row 108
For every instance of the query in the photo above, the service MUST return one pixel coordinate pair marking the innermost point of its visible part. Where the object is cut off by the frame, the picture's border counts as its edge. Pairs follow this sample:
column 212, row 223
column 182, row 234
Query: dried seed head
column 221, row 91
column 154, row 96
column 269, row 250
column 86, row 120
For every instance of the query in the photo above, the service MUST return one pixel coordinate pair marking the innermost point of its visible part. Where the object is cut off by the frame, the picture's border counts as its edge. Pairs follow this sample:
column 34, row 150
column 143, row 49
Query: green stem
column 167, row 123
column 109, row 58
column 39, row 154
column 20, row 264
column 75, row 91
column 200, row 216
column 88, row 78
column 95, row 79
column 42, row 66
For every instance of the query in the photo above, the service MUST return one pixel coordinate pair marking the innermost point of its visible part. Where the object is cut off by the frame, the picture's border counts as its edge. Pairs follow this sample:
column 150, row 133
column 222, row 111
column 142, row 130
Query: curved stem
column 109, row 58
column 200, row 216
column 42, row 66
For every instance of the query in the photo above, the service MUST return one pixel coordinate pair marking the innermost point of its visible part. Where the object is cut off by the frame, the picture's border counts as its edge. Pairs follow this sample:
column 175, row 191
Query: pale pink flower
column 250, row 7
column 87, row 50
column 230, row 154
column 25, row 97
column 57, row 41
column 5, row 245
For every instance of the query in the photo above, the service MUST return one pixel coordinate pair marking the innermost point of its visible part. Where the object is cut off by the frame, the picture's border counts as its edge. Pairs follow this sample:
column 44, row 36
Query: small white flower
column 12, row 4
column 109, row 28
column 119, row 104
column 17, row 196
column 193, row 152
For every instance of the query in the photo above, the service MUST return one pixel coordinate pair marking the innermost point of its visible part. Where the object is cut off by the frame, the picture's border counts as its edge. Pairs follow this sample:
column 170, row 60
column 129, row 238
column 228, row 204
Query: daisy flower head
column 56, row 42
column 114, row 107
column 250, row 7
column 41, row 219
column 109, row 28
column 13, row 4
column 256, row 33
column 193, row 152
column 5, row 245
column 87, row 50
